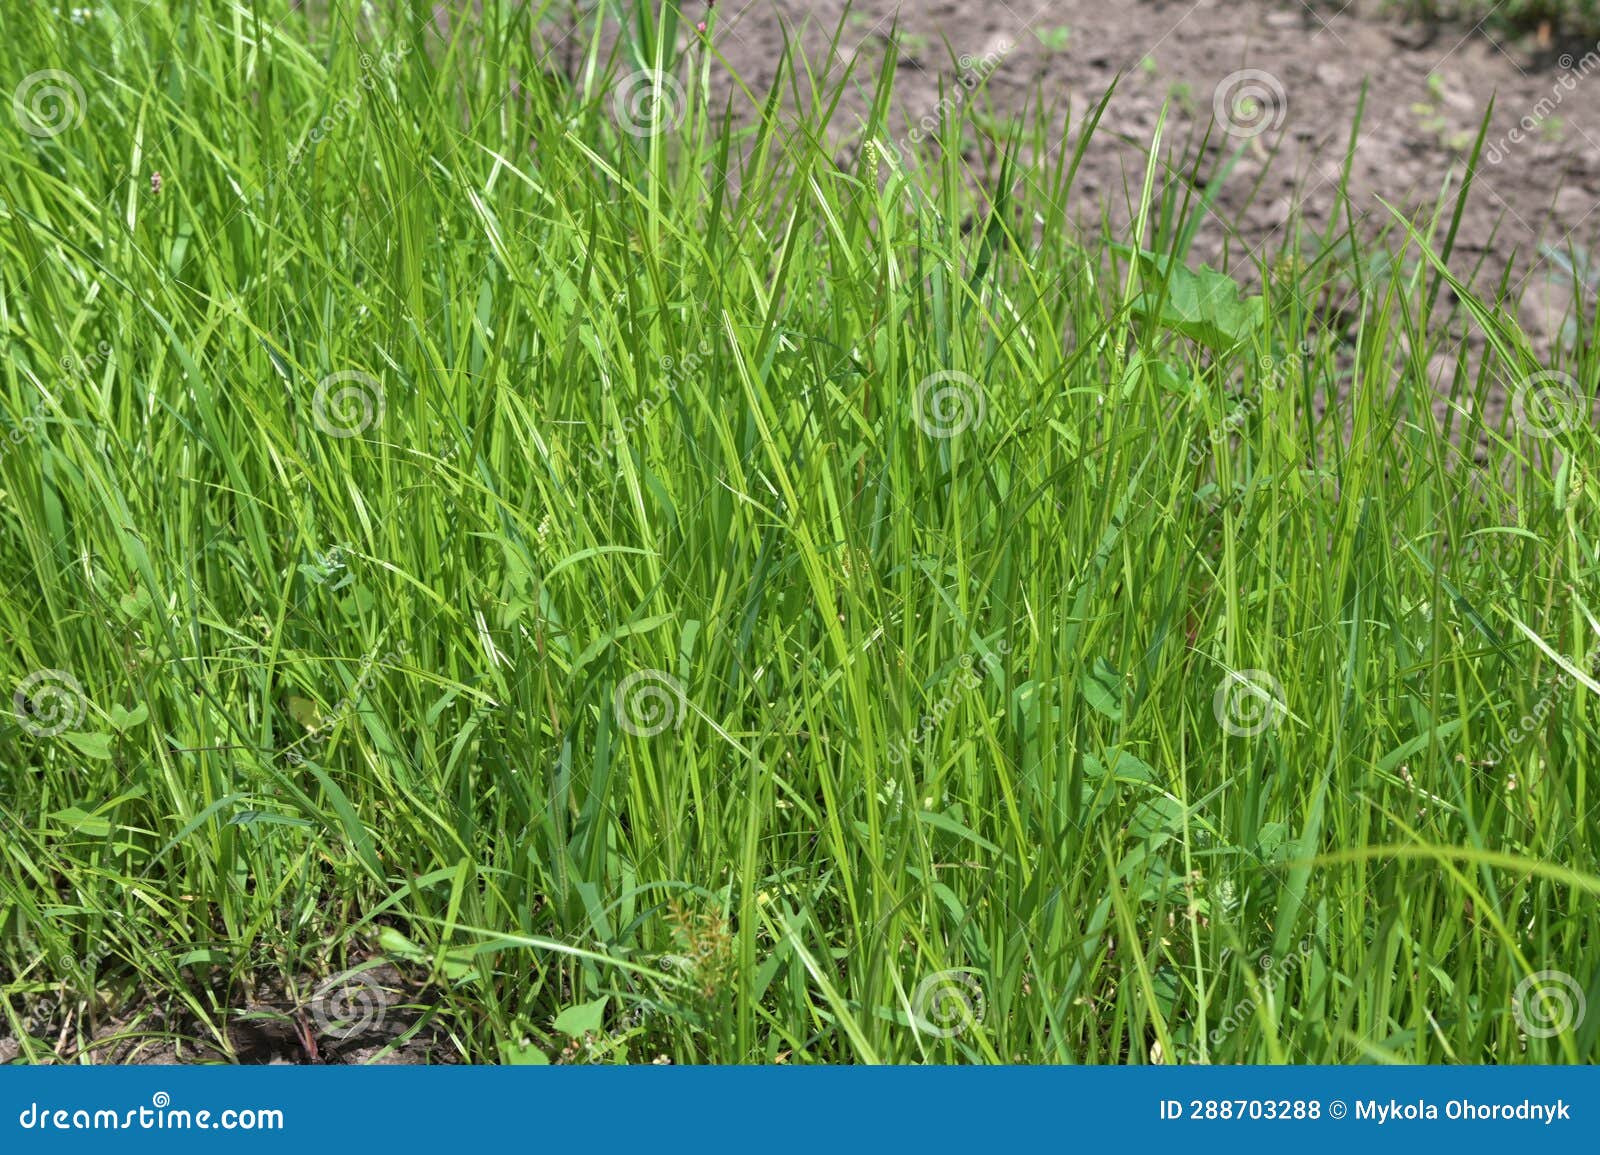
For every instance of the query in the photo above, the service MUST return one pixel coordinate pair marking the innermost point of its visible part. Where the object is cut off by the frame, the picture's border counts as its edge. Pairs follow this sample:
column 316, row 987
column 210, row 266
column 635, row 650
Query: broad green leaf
column 125, row 720
column 1204, row 305
column 1102, row 689
column 75, row 818
column 523, row 1054
column 583, row 1019
column 90, row 745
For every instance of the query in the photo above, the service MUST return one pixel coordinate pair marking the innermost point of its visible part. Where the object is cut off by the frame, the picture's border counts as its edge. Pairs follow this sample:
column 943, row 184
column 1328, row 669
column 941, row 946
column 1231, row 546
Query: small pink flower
column 155, row 182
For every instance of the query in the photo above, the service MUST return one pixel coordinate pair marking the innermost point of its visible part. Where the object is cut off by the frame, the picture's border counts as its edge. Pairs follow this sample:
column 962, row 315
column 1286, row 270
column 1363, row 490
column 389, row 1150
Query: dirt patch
column 1288, row 80
column 368, row 1015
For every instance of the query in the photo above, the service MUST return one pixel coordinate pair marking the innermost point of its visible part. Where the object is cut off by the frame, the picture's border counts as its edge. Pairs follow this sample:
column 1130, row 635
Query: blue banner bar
column 669, row 1109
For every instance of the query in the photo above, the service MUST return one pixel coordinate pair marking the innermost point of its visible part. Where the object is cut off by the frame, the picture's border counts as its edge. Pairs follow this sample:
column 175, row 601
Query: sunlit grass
column 792, row 586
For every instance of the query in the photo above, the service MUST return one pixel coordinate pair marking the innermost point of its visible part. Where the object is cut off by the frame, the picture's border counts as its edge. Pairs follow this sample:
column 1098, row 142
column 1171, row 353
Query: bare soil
column 1426, row 93
column 365, row 1016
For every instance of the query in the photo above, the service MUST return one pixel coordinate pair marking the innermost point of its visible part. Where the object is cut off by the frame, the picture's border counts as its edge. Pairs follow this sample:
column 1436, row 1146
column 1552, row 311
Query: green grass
column 1563, row 17
column 661, row 634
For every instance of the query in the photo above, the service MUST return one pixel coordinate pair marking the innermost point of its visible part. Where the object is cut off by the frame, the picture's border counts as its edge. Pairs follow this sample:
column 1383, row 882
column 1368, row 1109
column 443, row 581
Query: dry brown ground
column 1426, row 94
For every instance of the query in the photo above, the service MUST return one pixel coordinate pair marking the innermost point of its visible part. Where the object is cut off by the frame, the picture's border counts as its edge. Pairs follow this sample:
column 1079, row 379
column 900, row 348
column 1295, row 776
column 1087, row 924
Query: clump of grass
column 521, row 520
column 1559, row 17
